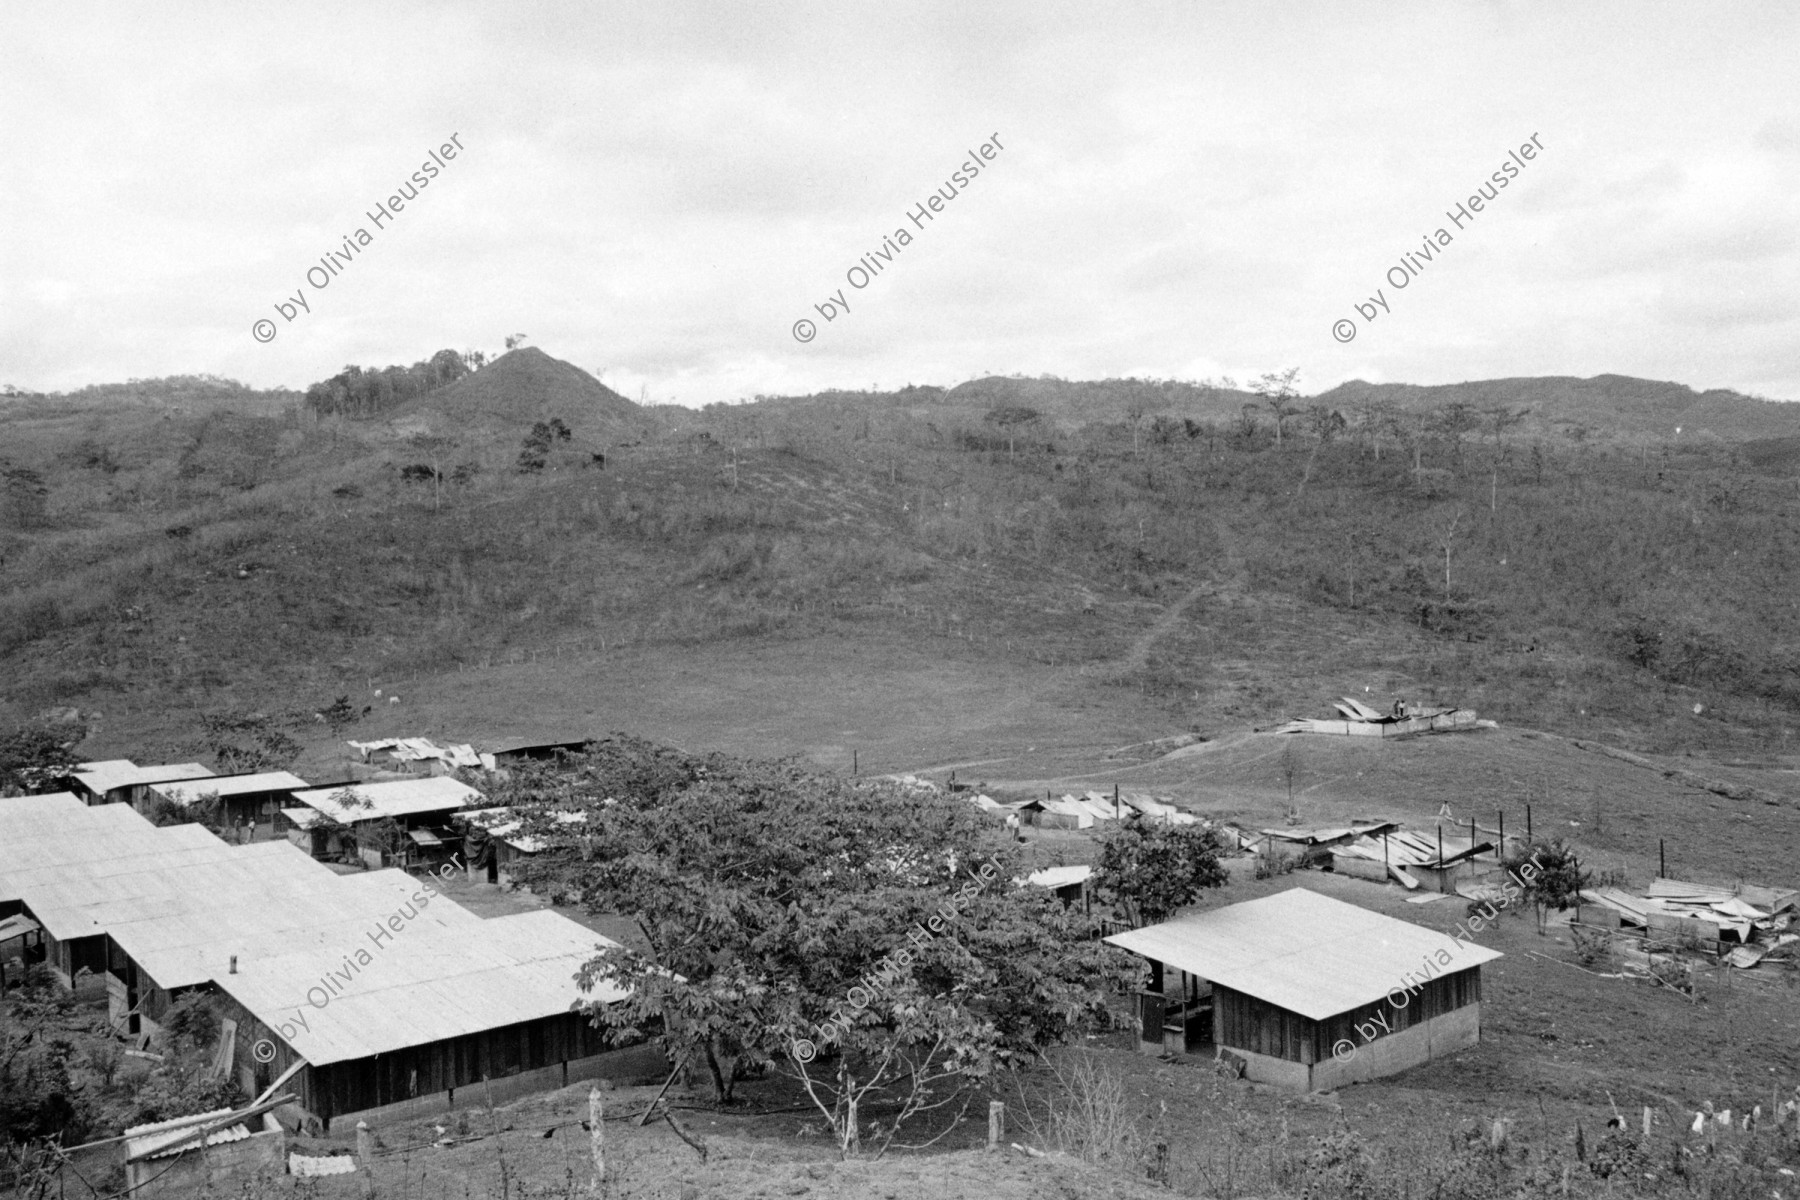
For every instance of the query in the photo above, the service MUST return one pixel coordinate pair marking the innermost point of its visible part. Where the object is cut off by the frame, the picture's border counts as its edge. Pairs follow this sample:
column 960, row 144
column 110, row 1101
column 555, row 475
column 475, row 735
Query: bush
column 190, row 1022
column 1275, row 863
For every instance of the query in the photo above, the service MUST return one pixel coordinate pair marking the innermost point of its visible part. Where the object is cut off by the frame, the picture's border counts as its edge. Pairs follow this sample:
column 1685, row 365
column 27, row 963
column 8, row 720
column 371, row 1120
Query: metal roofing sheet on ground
column 393, row 798
column 1302, row 951
column 422, row 985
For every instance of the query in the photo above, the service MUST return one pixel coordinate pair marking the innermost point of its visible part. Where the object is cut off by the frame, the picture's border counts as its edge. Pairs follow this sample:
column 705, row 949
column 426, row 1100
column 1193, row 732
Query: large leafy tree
column 864, row 938
column 1149, row 869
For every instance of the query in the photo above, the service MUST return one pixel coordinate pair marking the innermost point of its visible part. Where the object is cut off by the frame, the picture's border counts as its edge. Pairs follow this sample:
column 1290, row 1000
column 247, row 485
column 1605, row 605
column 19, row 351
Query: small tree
column 1149, row 869
column 1279, row 396
column 1551, row 875
column 1009, row 419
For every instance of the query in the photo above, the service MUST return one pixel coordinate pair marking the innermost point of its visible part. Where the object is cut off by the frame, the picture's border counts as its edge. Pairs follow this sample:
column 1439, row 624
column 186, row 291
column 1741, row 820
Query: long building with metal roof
column 374, row 988
column 1307, row 991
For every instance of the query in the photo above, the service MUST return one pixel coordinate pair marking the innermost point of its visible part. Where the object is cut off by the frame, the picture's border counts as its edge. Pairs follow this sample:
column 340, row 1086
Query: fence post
column 365, row 1144
column 597, row 1139
column 996, row 1124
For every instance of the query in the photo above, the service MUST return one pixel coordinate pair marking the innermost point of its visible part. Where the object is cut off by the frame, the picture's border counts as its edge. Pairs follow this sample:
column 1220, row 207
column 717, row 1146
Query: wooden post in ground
column 597, row 1139
column 996, row 1124
column 1646, row 1122
column 365, row 1145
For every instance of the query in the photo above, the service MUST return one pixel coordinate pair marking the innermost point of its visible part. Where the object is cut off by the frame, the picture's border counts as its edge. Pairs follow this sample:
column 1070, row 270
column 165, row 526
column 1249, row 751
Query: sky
column 660, row 192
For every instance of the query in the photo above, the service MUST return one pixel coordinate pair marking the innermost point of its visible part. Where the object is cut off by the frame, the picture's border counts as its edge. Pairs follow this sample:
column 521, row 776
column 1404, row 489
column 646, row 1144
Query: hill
column 1607, row 406
column 518, row 389
column 1202, row 572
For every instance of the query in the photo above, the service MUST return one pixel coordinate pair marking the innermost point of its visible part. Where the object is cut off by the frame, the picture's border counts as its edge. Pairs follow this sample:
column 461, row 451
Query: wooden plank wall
column 1246, row 1023
column 455, row 1063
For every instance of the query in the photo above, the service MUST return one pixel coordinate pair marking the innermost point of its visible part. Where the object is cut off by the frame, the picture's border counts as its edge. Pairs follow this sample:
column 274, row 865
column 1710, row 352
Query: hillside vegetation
column 1236, row 557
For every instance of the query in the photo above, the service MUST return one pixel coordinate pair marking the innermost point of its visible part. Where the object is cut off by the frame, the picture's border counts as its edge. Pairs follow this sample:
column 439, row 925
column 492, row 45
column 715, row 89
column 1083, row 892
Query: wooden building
column 422, row 1012
column 1305, row 991
column 121, row 781
column 496, row 843
column 247, row 802
column 416, row 806
column 380, row 997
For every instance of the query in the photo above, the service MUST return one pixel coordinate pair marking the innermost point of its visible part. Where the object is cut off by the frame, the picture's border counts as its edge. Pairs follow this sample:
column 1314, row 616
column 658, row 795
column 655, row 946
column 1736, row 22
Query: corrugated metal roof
column 182, row 903
column 1058, row 877
column 422, row 984
column 113, row 775
column 394, row 798
column 231, row 785
column 145, row 1140
column 19, row 926
column 1301, row 951
column 191, row 943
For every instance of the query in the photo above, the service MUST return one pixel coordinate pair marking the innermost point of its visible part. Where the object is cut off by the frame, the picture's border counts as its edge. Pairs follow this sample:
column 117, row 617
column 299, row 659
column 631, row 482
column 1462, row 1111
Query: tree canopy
column 1149, row 870
column 867, row 938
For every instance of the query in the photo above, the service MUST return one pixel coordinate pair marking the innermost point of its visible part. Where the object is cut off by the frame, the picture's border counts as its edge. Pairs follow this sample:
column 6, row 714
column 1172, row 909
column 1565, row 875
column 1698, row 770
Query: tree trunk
column 721, row 1081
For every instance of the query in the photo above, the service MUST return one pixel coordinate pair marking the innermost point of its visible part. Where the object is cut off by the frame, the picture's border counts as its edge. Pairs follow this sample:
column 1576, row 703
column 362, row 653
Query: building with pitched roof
column 121, row 781
column 1305, row 991
column 355, row 992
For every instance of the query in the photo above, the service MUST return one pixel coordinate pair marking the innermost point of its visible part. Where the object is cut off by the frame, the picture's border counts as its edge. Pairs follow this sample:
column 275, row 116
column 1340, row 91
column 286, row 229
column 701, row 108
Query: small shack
column 1356, row 719
column 495, row 843
column 1072, row 885
column 539, row 749
column 383, row 819
column 235, row 802
column 1283, row 984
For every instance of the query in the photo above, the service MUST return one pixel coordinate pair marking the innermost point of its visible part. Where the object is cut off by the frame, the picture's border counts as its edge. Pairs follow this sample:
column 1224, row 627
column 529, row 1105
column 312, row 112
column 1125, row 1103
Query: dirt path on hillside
column 1138, row 654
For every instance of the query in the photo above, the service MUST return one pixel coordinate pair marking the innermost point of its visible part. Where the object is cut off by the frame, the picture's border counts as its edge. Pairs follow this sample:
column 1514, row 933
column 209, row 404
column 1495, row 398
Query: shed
column 422, row 803
column 1283, row 984
column 496, row 844
column 538, row 749
column 233, row 801
column 1071, row 884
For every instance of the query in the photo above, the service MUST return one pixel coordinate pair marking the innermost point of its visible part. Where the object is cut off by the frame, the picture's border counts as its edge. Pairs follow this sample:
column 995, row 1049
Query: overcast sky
column 658, row 192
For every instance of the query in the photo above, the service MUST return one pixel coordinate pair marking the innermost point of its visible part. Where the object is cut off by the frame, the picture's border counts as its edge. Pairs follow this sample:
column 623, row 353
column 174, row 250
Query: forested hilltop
column 1551, row 552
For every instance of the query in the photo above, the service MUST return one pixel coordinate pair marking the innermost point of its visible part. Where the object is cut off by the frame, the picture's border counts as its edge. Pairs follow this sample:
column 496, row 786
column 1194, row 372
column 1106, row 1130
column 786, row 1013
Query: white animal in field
column 393, row 699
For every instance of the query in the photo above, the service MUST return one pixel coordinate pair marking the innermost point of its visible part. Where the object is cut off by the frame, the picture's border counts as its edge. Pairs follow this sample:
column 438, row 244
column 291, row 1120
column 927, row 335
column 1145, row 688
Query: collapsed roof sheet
column 161, row 1139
